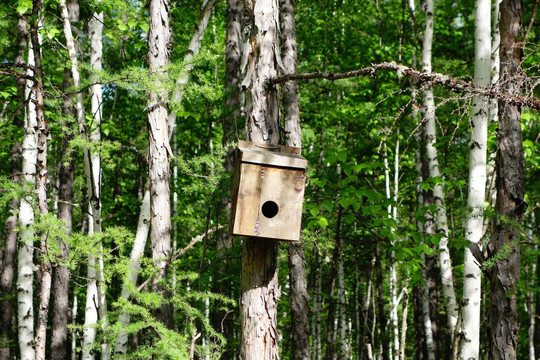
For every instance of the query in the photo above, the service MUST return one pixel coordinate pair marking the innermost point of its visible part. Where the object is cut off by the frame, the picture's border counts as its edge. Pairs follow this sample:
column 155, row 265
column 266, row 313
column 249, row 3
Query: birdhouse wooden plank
column 268, row 191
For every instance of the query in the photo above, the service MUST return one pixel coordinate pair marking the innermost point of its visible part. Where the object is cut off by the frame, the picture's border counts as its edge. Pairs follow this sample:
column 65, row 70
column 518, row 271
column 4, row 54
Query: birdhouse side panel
column 281, row 199
column 247, row 202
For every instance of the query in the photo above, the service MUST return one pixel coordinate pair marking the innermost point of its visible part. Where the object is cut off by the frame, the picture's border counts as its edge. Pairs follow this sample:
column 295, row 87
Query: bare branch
column 420, row 78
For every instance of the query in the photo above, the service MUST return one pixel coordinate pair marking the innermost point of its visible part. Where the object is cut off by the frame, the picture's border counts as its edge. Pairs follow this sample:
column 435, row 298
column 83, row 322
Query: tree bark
column 260, row 289
column 62, row 274
column 95, row 295
column 159, row 39
column 472, row 274
column 434, row 172
column 25, row 274
column 141, row 237
column 510, row 205
column 299, row 296
column 9, row 254
column 41, row 187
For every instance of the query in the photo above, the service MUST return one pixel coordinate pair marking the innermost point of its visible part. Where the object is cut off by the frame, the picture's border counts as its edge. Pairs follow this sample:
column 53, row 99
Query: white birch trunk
column 394, row 344
column 95, row 27
column 45, row 266
column 404, row 324
column 94, row 299
column 434, row 171
column 159, row 39
column 74, row 311
column 342, row 313
column 25, row 265
column 472, row 273
column 135, row 265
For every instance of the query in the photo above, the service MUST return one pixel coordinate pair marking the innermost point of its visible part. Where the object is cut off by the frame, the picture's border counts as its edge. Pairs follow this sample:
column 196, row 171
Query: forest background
column 372, row 228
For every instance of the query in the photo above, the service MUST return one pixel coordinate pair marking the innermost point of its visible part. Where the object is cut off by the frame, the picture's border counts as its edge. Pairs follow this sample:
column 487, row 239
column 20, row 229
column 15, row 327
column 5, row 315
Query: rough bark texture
column 230, row 118
column 260, row 289
column 504, row 242
column 59, row 337
column 260, row 292
column 419, row 332
column 260, row 63
column 299, row 296
column 9, row 254
column 470, row 346
column 7, row 273
column 41, row 189
column 159, row 39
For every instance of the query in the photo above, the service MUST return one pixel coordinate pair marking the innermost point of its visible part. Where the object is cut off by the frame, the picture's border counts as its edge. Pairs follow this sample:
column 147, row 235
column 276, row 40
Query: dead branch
column 420, row 78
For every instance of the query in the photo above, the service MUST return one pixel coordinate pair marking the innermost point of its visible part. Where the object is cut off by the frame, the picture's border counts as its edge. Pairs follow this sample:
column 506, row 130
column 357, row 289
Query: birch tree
column 472, row 291
column 260, row 289
column 159, row 39
column 434, row 172
column 25, row 275
column 95, row 294
column 503, row 245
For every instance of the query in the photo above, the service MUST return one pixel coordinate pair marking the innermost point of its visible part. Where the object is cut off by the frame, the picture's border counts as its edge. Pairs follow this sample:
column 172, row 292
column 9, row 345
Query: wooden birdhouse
column 268, row 191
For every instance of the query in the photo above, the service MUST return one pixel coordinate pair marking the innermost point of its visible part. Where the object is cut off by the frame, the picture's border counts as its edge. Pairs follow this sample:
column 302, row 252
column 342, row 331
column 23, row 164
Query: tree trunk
column 260, row 289
column 9, row 254
column 95, row 297
column 159, row 38
column 230, row 133
column 420, row 350
column 381, row 318
column 316, row 306
column 41, row 189
column 434, row 172
column 95, row 27
column 62, row 274
column 509, row 208
column 137, row 252
column 25, row 274
column 472, row 274
column 299, row 296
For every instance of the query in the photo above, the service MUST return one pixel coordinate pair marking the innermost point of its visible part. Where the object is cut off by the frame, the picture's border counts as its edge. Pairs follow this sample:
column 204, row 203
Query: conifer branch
column 420, row 78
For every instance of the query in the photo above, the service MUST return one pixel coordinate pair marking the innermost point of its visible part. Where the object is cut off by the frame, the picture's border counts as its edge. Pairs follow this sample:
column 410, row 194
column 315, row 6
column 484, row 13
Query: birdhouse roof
column 274, row 155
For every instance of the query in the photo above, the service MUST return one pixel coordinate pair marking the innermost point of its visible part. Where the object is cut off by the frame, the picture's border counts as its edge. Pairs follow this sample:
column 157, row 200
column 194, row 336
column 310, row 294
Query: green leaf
column 323, row 222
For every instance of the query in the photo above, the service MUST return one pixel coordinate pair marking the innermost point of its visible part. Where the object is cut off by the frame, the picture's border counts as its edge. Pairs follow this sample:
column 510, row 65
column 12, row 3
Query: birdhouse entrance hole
column 270, row 209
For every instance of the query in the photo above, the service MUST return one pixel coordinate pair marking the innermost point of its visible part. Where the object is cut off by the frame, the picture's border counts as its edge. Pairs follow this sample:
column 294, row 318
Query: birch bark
column 503, row 315
column 25, row 275
column 260, row 289
column 121, row 346
column 472, row 273
column 95, row 295
column 434, row 172
column 159, row 40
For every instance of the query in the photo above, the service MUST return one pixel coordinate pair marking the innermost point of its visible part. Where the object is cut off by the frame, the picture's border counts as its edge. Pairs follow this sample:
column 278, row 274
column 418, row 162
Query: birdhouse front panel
column 268, row 194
